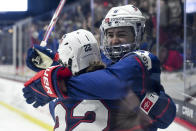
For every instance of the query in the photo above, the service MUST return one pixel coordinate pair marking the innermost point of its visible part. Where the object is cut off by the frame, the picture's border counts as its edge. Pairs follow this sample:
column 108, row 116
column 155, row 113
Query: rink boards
column 11, row 98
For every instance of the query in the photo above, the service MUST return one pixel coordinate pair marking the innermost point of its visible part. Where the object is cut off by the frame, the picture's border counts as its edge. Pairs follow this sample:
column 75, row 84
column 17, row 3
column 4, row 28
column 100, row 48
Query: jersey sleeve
column 112, row 82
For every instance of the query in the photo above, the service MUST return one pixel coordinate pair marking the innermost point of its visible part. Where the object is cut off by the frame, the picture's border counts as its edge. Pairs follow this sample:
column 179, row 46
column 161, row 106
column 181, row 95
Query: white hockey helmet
column 122, row 16
column 78, row 49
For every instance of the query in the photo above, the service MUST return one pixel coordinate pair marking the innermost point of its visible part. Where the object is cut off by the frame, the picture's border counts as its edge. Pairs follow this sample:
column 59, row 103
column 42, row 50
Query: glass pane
column 170, row 34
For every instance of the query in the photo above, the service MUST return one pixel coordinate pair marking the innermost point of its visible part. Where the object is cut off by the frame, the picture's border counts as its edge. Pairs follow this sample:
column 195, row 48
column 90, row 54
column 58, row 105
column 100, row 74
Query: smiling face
column 119, row 41
column 120, row 35
column 121, row 31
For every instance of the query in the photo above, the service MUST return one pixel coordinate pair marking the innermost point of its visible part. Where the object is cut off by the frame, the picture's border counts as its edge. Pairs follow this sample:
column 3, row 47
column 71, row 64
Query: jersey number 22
column 79, row 111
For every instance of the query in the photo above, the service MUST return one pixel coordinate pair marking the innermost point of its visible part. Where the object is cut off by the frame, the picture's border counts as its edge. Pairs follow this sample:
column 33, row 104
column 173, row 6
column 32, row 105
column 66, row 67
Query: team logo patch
column 148, row 102
column 146, row 105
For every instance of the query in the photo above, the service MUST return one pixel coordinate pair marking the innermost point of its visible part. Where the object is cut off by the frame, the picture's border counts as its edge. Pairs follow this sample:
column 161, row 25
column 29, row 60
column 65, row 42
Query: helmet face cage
column 122, row 16
column 116, row 52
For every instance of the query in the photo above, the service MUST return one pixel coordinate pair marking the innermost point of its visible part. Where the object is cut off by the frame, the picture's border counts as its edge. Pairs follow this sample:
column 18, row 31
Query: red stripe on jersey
column 143, row 74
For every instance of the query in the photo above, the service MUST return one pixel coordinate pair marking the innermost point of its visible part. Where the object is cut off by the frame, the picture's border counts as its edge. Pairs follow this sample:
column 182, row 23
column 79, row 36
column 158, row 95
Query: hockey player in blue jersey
column 138, row 71
column 84, row 59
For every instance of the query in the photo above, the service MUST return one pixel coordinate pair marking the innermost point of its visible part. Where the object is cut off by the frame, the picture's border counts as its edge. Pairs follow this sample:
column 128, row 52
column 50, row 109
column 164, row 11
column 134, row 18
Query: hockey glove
column 39, row 58
column 46, row 85
column 160, row 108
column 34, row 92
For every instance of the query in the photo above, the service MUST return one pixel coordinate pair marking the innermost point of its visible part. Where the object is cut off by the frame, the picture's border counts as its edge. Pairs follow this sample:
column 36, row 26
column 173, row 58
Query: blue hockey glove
column 34, row 92
column 39, row 58
column 46, row 85
column 160, row 108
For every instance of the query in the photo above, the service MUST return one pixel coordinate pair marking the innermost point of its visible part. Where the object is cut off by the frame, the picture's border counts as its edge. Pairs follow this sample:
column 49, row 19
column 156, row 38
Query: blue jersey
column 95, row 98
column 138, row 72
column 98, row 115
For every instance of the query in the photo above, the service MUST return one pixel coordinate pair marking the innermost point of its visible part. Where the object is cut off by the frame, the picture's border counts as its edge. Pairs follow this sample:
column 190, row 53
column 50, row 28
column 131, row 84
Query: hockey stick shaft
column 52, row 23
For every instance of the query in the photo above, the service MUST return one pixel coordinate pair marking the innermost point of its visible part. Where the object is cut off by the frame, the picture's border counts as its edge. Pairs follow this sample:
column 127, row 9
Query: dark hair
column 97, row 65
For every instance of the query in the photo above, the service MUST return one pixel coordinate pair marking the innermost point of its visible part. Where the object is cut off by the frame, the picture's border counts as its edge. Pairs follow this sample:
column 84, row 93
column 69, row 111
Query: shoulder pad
column 144, row 56
column 150, row 61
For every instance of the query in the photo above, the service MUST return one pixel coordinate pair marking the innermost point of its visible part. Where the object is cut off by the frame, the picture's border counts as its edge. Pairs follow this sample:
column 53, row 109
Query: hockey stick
column 38, row 60
column 52, row 23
